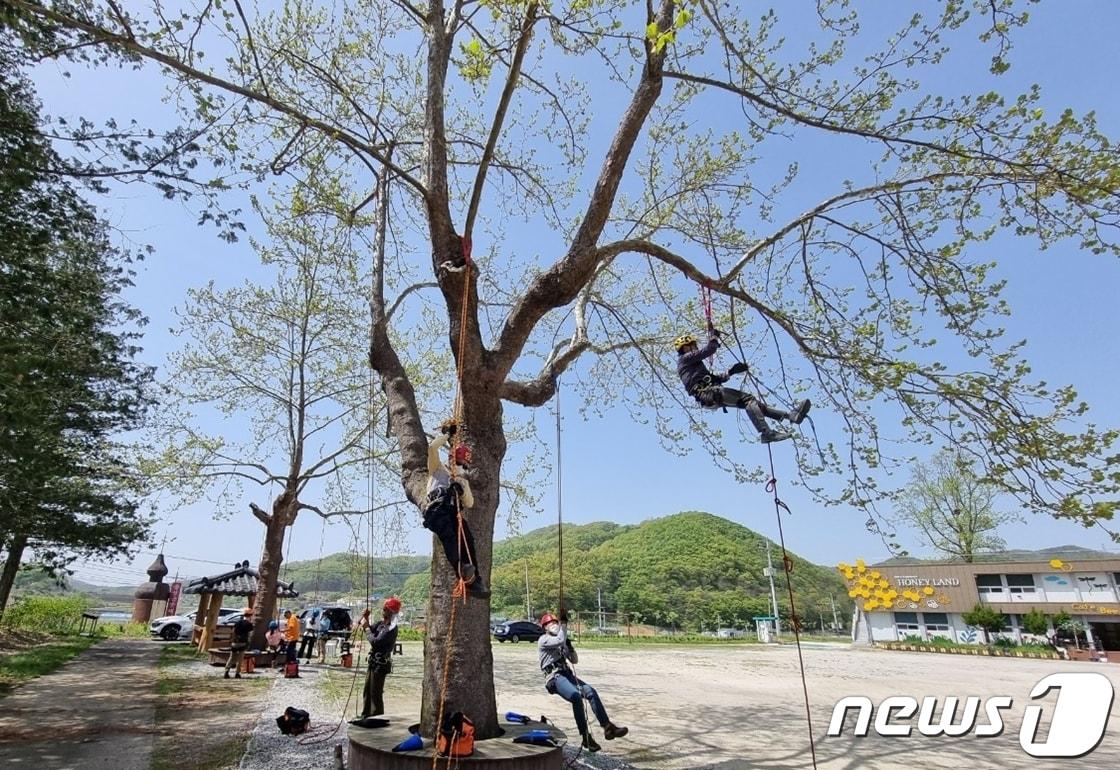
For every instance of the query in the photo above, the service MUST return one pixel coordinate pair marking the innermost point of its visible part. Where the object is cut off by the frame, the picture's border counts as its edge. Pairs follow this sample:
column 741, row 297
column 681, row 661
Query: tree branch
column 500, row 115
column 263, row 516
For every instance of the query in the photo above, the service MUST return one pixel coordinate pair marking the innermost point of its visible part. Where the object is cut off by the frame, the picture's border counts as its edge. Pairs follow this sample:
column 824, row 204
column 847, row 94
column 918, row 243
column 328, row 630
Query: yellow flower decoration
column 853, row 593
column 942, row 598
column 870, row 604
column 928, row 590
column 1056, row 563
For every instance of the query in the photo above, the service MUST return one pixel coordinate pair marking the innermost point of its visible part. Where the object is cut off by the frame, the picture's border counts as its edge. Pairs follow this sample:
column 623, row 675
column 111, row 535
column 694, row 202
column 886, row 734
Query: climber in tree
column 707, row 387
column 449, row 492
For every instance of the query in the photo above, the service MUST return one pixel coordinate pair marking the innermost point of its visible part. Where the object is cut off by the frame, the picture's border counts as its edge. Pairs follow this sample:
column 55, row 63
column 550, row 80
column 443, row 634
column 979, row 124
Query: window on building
column 1020, row 584
column 1008, row 624
column 989, row 584
column 907, row 623
column 936, row 621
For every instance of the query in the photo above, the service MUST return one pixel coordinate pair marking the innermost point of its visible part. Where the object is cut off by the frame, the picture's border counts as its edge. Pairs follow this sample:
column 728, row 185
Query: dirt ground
column 739, row 707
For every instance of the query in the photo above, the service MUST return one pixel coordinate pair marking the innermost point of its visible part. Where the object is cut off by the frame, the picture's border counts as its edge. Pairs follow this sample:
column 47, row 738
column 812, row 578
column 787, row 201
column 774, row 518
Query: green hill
column 345, row 574
column 683, row 570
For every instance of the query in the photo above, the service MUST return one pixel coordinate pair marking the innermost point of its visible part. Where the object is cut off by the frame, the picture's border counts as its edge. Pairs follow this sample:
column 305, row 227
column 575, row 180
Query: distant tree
column 986, row 619
column 68, row 383
column 282, row 369
column 952, row 509
column 1035, row 622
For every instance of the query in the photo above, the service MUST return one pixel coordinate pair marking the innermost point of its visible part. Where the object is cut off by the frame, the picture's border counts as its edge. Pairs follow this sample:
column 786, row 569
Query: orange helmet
column 393, row 604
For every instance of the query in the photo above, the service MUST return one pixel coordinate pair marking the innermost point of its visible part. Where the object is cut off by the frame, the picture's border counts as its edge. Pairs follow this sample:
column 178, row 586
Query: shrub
column 1006, row 644
column 50, row 614
column 1035, row 622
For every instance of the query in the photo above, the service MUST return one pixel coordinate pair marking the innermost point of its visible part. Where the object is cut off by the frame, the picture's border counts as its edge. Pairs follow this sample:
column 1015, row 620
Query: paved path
column 97, row 711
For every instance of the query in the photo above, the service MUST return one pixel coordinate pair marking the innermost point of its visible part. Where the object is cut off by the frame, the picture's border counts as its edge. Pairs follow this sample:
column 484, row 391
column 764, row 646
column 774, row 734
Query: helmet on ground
column 273, row 625
column 548, row 619
column 684, row 339
column 461, row 454
column 393, row 604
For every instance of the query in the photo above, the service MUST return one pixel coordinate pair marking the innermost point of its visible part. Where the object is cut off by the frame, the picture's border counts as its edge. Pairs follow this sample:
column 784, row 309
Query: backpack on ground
column 291, row 669
column 293, row 721
column 456, row 736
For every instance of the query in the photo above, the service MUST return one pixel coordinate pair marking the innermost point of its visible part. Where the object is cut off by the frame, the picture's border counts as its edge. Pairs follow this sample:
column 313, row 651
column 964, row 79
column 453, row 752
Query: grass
column 19, row 667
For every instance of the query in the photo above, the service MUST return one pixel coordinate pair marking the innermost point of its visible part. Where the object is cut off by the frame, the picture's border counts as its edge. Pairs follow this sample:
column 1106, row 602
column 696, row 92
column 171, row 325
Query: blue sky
column 1063, row 303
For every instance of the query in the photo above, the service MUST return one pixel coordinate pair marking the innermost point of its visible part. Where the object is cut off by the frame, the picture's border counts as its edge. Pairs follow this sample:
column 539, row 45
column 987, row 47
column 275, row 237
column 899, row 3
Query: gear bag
column 456, row 736
column 293, row 721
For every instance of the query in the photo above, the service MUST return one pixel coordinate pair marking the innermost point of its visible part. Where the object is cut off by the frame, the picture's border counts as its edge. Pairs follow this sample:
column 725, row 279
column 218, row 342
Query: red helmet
column 461, row 454
column 393, row 604
column 548, row 618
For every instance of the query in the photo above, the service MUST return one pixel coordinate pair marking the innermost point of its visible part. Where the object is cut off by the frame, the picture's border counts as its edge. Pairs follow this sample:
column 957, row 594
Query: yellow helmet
column 684, row 339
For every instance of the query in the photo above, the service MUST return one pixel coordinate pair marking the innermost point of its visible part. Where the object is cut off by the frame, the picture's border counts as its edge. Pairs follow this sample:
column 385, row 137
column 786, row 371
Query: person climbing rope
column 556, row 655
column 382, row 637
column 707, row 387
column 449, row 492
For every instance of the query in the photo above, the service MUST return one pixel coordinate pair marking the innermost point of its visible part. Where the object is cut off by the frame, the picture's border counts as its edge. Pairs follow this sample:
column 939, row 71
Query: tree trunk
column 11, row 567
column 272, row 556
column 470, row 672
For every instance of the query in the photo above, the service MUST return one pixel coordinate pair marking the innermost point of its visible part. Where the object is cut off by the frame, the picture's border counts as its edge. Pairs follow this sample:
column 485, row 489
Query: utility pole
column 528, row 604
column 835, row 617
column 773, row 592
column 600, row 608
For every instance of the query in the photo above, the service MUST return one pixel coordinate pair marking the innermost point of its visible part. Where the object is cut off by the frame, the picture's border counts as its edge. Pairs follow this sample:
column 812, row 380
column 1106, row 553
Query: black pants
column 290, row 651
column 440, row 518
column 306, row 647
column 373, row 694
column 757, row 411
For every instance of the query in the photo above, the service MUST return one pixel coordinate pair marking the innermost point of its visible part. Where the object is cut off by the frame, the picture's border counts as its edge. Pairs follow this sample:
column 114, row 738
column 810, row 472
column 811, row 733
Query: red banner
column 173, row 598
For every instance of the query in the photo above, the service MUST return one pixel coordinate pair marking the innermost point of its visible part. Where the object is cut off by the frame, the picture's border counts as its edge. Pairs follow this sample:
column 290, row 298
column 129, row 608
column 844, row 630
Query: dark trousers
column 291, row 656
column 306, row 647
column 373, row 694
column 757, row 411
column 440, row 517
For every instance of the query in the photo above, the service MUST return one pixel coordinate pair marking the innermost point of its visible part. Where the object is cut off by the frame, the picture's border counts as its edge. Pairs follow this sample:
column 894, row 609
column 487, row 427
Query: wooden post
column 211, row 622
column 200, row 620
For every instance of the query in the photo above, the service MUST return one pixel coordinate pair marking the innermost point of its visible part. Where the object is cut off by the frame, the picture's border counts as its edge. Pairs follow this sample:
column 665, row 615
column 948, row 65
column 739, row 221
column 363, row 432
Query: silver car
column 172, row 627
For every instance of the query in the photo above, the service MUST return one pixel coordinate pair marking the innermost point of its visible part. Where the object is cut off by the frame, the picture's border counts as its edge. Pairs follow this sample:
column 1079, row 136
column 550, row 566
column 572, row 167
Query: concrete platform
column 372, row 749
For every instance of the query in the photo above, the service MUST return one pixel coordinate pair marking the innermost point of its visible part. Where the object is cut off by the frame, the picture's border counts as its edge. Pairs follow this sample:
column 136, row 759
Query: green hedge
column 49, row 614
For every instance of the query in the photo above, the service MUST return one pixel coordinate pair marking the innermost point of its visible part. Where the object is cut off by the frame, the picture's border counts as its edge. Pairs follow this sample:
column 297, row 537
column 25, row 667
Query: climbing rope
column 795, row 621
column 460, row 590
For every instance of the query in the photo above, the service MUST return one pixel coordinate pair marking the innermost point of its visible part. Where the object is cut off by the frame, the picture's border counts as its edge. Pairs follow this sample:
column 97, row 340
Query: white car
column 172, row 627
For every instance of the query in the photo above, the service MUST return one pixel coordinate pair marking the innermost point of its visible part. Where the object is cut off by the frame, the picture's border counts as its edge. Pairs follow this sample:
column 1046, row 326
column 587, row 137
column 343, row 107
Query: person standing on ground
column 556, row 656
column 291, row 634
column 324, row 634
column 382, row 639
column 241, row 631
column 307, row 645
column 274, row 640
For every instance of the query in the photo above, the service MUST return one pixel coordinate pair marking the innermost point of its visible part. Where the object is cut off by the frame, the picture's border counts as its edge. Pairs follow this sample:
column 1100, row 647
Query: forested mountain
column 683, row 570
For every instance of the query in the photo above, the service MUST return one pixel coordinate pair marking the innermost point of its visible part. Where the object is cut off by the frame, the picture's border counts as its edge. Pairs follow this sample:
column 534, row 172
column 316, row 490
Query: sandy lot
column 740, row 707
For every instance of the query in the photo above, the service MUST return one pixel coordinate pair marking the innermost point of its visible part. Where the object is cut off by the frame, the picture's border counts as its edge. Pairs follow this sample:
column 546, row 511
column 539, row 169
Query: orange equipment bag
column 456, row 738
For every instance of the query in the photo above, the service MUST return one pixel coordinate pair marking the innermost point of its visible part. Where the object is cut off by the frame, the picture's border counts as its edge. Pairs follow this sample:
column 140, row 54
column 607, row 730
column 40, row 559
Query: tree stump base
column 372, row 749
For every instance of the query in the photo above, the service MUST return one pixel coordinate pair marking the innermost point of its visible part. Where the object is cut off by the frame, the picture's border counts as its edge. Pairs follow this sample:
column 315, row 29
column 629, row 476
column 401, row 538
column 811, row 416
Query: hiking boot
column 237, row 675
column 770, row 436
column 612, row 731
column 798, row 413
column 478, row 588
column 469, row 573
column 589, row 743
column 227, row 673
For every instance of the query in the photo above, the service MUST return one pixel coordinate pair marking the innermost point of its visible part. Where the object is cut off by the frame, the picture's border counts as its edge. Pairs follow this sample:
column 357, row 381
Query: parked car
column 172, row 627
column 341, row 622
column 516, row 630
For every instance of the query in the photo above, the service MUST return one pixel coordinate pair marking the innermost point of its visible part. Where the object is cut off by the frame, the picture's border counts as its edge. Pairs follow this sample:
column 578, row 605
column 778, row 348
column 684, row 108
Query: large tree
column 952, row 509
column 69, row 385
column 650, row 147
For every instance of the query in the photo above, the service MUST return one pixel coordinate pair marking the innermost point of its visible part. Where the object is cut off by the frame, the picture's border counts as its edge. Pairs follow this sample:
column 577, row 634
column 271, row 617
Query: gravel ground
column 269, row 748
